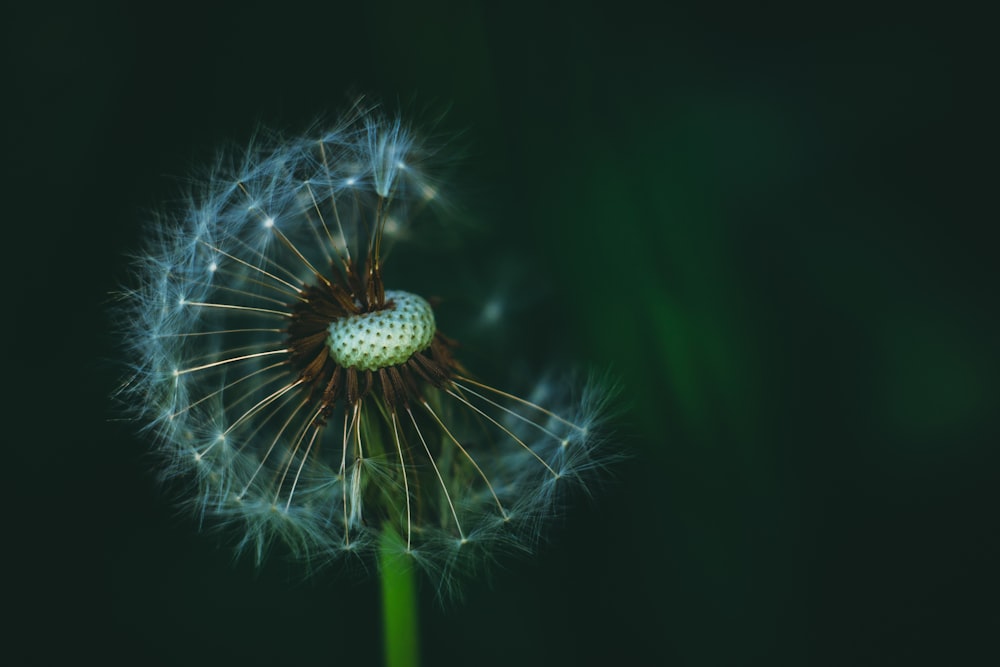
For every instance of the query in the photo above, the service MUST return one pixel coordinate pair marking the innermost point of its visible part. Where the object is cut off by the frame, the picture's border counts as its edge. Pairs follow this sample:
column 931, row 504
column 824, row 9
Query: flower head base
column 310, row 404
column 382, row 338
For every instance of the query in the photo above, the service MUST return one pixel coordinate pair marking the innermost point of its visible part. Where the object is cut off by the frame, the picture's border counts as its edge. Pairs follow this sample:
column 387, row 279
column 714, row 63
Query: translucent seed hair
column 298, row 399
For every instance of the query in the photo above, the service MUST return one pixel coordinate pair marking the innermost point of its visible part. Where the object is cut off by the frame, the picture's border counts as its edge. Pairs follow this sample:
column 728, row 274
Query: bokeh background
column 774, row 225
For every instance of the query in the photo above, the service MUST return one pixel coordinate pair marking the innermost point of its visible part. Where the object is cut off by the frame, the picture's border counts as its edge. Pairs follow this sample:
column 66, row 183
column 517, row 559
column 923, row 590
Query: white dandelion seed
column 310, row 403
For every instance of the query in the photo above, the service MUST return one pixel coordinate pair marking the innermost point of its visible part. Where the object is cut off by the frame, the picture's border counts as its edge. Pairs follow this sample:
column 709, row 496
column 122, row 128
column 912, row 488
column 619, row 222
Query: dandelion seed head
column 301, row 401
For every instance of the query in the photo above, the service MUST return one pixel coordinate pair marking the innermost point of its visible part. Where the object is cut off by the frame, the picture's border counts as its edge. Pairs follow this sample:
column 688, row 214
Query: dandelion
column 307, row 402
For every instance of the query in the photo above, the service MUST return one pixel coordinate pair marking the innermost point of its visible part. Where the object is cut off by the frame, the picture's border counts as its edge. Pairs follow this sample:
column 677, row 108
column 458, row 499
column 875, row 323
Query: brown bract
column 346, row 293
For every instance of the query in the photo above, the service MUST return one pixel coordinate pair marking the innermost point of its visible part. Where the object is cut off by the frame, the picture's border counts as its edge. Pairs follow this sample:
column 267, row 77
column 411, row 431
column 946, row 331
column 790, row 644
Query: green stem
column 399, row 603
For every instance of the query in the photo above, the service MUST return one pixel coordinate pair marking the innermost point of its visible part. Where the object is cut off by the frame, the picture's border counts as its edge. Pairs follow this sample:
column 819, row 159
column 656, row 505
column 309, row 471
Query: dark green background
column 774, row 225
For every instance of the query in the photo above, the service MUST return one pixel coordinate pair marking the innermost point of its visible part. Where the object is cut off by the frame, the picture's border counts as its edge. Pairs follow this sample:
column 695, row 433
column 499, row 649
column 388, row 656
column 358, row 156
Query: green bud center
column 386, row 337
